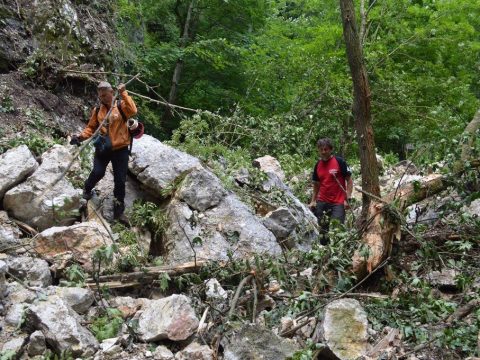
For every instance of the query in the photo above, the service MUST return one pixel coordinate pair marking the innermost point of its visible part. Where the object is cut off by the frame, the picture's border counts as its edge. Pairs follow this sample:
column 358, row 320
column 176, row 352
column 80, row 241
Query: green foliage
column 75, row 276
column 108, row 325
column 130, row 255
column 149, row 215
column 7, row 355
column 6, row 101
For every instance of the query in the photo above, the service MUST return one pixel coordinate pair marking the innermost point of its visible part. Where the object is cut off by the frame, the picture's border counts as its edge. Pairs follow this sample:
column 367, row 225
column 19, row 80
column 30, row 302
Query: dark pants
column 119, row 159
column 324, row 212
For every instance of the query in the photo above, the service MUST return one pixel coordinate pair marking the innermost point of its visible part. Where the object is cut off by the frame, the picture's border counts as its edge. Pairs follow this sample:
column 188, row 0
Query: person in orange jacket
column 119, row 129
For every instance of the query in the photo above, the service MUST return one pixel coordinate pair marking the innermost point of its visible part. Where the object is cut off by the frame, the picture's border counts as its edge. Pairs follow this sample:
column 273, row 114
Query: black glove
column 75, row 140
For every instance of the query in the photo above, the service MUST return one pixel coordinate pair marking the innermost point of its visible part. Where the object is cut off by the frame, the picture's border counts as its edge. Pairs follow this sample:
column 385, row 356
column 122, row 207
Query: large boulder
column 61, row 326
column 36, row 202
column 256, row 342
column 15, row 166
column 78, row 242
column 171, row 318
column 33, row 271
column 230, row 228
column 157, row 165
column 294, row 225
column 345, row 327
column 9, row 234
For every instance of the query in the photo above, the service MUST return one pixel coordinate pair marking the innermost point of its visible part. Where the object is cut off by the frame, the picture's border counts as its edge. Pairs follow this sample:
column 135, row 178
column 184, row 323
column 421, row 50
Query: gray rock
column 18, row 294
column 269, row 164
column 59, row 205
column 62, row 327
column 15, row 166
column 15, row 345
column 280, row 222
column 215, row 291
column 157, row 165
column 345, row 327
column 195, row 351
column 255, row 342
column 162, row 353
column 79, row 299
column 3, row 281
column 36, row 345
column 474, row 208
column 111, row 347
column 170, row 318
column 201, row 190
column 79, row 242
column 16, row 314
column 9, row 234
column 230, row 227
column 443, row 279
column 33, row 271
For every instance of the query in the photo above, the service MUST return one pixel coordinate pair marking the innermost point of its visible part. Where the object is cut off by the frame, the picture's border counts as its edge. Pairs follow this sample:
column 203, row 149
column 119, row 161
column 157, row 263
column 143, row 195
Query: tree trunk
column 177, row 73
column 361, row 105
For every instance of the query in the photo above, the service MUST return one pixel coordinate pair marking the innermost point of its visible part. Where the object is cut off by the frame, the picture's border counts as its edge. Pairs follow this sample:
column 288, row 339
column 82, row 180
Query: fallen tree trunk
column 147, row 275
column 384, row 219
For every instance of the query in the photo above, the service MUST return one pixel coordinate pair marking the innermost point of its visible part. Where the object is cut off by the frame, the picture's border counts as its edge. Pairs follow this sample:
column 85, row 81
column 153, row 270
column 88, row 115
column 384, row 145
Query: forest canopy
column 275, row 75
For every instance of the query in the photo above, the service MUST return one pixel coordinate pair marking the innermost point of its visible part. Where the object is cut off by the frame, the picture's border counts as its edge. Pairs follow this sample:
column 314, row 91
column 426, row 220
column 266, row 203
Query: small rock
column 201, row 190
column 170, row 318
column 256, row 342
column 36, row 345
column 345, row 329
column 444, row 279
column 280, row 222
column 79, row 299
column 16, row 314
column 214, row 290
column 162, row 353
column 3, row 281
column 110, row 346
column 195, row 351
column 15, row 345
column 9, row 234
column 269, row 164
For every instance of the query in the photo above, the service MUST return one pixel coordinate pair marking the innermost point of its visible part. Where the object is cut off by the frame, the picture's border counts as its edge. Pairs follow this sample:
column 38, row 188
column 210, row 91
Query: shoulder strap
column 343, row 166
column 124, row 117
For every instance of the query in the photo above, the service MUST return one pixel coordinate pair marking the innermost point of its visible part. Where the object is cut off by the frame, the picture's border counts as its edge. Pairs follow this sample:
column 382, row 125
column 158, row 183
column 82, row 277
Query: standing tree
column 186, row 36
column 361, row 105
column 380, row 226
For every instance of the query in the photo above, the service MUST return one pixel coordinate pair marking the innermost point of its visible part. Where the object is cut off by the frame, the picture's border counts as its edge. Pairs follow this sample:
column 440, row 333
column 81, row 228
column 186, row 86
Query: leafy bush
column 108, row 325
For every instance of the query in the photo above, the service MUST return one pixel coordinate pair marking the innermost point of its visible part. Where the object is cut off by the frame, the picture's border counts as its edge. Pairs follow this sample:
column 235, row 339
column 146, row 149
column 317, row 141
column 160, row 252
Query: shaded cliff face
column 45, row 36
column 39, row 40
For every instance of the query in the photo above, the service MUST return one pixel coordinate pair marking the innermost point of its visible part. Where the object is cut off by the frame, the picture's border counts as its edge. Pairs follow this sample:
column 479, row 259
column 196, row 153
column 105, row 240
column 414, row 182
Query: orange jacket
column 119, row 133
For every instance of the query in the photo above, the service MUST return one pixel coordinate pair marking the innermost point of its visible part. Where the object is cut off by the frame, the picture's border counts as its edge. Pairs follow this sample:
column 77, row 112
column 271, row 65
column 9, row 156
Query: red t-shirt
column 325, row 173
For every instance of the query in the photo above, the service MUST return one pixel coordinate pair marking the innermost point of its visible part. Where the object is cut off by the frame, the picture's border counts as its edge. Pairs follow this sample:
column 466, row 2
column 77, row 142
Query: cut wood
column 148, row 275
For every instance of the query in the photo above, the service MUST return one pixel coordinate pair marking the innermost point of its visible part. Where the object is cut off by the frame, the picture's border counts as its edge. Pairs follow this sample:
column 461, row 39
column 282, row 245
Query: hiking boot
column 87, row 195
column 118, row 209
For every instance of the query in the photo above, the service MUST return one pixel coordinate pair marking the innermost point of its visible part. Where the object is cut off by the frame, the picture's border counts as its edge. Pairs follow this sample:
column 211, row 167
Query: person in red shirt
column 332, row 188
